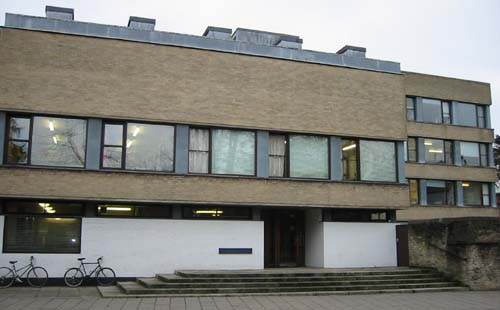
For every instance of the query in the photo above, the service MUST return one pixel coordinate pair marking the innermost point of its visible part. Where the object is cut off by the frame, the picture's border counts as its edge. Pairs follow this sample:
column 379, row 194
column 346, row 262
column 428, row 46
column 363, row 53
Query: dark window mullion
column 124, row 145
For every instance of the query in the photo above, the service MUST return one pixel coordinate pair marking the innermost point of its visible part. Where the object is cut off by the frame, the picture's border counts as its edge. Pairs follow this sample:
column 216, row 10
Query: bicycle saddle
column 81, row 258
column 13, row 261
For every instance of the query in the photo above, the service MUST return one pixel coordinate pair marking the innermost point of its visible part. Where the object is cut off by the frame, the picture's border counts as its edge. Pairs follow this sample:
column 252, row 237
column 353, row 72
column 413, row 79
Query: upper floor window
column 476, row 194
column 46, row 141
column 410, row 108
column 469, row 114
column 436, row 111
column 411, row 149
column 309, row 156
column 377, row 161
column 438, row 151
column 414, row 191
column 278, row 155
column 440, row 192
column 350, row 160
column 473, row 154
column 137, row 146
column 222, row 151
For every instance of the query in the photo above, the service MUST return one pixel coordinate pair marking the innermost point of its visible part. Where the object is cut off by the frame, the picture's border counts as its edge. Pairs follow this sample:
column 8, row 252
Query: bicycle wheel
column 105, row 276
column 37, row 276
column 73, row 277
column 6, row 277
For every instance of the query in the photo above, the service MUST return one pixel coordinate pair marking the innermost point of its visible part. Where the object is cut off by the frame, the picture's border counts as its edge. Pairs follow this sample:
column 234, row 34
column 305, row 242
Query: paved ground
column 25, row 298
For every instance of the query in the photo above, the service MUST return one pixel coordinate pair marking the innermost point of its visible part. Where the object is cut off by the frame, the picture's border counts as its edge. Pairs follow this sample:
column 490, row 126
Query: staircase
column 301, row 281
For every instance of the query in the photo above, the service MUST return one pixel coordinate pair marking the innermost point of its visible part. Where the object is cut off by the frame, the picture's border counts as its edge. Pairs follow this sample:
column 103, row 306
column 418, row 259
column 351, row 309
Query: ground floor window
column 440, row 192
column 42, row 227
column 113, row 210
column 356, row 215
column 229, row 213
column 476, row 194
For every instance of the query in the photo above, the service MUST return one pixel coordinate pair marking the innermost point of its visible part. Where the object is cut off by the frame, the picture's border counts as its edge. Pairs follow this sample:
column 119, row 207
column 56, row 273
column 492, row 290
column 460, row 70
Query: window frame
column 408, row 150
column 286, row 173
column 481, row 194
column 445, row 151
column 396, row 159
column 417, row 182
column 328, row 151
column 4, row 212
column 478, row 108
column 413, row 108
column 125, row 123
column 358, row 160
column 446, row 196
column 31, row 117
column 209, row 164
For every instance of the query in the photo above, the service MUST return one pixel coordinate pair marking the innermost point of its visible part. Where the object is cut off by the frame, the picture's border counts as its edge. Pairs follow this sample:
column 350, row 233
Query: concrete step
column 159, row 283
column 173, row 278
column 296, row 273
column 116, row 292
column 136, row 288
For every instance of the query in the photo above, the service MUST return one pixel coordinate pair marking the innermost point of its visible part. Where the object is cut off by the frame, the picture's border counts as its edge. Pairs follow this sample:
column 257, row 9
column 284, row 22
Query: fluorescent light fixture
column 73, row 240
column 136, row 131
column 50, row 211
column 54, row 138
column 129, row 143
column 51, row 125
column 465, row 184
column 118, row 209
column 44, row 204
column 427, row 143
column 346, row 148
column 435, row 151
column 214, row 212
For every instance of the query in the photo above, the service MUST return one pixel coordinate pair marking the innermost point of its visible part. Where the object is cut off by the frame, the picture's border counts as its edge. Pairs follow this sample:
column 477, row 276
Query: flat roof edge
column 37, row 23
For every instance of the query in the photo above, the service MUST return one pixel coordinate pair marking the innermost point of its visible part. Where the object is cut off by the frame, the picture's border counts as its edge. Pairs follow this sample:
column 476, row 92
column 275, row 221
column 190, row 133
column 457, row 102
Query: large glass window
column 346, row 215
column 42, row 227
column 309, row 156
column 199, row 150
column 350, row 160
column 377, row 161
column 410, row 108
column 223, row 213
column 136, row 146
column 438, row 151
column 414, row 191
column 481, row 116
column 440, row 192
column 446, row 112
column 278, row 155
column 476, row 194
column 112, row 210
column 233, row 152
column 473, row 154
column 466, row 114
column 47, row 141
column 432, row 111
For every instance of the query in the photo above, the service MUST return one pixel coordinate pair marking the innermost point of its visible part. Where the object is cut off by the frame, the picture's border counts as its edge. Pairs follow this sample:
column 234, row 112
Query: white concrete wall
column 359, row 244
column 144, row 247
column 314, row 238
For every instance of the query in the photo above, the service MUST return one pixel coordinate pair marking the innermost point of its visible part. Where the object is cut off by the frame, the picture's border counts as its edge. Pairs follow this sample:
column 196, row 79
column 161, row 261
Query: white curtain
column 378, row 161
column 309, row 156
column 233, row 152
column 198, row 150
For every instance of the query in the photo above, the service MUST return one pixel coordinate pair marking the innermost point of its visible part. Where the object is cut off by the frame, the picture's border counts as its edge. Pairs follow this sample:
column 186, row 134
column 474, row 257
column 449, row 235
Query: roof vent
column 59, row 13
column 141, row 23
column 267, row 38
column 218, row 33
column 354, row 51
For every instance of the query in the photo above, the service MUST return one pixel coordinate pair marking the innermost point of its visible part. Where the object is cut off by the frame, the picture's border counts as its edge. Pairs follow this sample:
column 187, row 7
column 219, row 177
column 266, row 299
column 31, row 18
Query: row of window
column 441, row 192
column 440, row 112
column 438, row 151
column 49, row 141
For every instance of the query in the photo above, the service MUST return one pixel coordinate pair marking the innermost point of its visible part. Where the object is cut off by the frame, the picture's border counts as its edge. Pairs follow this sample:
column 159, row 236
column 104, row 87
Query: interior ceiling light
column 427, row 143
column 118, row 208
column 129, row 143
column 136, row 131
column 51, row 125
column 465, row 184
column 435, row 151
column 346, row 148
column 54, row 138
column 44, row 204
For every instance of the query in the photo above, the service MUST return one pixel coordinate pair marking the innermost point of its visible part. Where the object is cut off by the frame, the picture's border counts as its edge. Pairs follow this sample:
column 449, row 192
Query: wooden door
column 402, row 245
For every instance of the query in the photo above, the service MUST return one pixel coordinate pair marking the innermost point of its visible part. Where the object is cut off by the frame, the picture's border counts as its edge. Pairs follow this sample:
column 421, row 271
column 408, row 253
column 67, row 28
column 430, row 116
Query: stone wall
column 466, row 249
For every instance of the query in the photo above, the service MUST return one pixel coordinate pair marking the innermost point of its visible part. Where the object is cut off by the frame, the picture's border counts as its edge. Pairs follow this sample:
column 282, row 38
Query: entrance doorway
column 402, row 245
column 283, row 238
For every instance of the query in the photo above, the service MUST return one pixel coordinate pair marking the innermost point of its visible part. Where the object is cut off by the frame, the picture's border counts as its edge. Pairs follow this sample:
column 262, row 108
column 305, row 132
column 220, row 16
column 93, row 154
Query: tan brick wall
column 428, row 212
column 450, row 132
column 64, row 74
column 417, row 84
column 445, row 172
column 141, row 187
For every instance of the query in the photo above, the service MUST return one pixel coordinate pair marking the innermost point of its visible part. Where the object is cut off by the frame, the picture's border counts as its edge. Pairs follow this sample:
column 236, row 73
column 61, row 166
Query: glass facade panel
column 309, row 156
column 58, row 142
column 472, row 193
column 431, row 111
column 277, row 155
column 434, row 151
column 19, row 128
column 469, row 153
column 149, row 147
column 486, row 194
column 199, row 150
column 17, row 152
column 446, row 112
column 481, row 116
column 113, row 134
column 112, row 157
column 377, row 161
column 350, row 160
column 440, row 192
column 466, row 114
column 483, row 154
column 233, row 152
column 410, row 108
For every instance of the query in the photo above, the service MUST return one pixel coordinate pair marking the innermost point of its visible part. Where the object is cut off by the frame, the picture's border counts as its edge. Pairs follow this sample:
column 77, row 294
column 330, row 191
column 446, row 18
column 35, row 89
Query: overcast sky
column 459, row 38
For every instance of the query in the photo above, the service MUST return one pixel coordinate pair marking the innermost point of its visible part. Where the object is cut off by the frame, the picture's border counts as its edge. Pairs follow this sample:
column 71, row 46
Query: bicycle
column 36, row 276
column 105, row 276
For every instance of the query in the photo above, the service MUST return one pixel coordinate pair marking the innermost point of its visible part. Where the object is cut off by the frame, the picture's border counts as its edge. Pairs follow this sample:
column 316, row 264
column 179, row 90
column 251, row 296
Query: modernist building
column 232, row 150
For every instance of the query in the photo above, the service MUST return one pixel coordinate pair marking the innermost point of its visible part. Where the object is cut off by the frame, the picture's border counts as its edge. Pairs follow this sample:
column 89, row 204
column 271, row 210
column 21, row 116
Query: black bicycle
column 35, row 276
column 104, row 275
